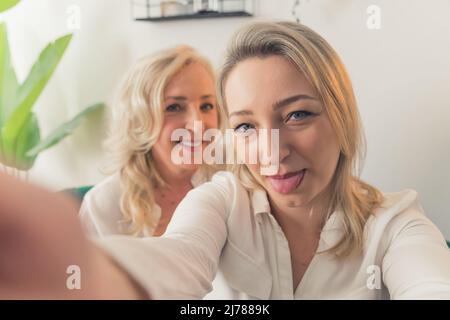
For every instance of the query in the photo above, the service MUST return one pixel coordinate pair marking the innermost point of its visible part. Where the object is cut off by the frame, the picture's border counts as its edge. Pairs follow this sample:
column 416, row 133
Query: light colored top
column 100, row 211
column 222, row 225
column 101, row 216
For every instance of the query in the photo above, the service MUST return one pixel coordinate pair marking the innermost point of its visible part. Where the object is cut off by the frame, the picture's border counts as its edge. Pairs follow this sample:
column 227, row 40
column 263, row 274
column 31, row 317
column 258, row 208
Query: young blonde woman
column 312, row 229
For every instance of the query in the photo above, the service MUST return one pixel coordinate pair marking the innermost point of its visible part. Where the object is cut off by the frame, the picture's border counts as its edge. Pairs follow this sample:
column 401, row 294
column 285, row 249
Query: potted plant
column 20, row 139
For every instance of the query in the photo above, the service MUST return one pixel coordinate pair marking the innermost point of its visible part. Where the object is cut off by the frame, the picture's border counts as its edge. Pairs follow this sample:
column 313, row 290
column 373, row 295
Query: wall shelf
column 163, row 10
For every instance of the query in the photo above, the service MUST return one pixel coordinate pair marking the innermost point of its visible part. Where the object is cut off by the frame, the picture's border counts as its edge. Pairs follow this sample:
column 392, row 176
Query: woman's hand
column 44, row 253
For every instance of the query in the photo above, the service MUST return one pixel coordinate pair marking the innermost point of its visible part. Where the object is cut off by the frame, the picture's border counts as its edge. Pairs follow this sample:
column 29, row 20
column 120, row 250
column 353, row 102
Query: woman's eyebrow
column 176, row 98
column 183, row 98
column 276, row 105
column 240, row 113
column 289, row 100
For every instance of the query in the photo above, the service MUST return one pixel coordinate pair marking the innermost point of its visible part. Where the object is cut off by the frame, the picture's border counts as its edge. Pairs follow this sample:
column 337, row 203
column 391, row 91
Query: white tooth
column 191, row 143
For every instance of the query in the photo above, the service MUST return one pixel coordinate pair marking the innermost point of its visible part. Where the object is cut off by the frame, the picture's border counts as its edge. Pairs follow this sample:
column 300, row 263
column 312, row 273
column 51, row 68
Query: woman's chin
column 294, row 200
column 188, row 167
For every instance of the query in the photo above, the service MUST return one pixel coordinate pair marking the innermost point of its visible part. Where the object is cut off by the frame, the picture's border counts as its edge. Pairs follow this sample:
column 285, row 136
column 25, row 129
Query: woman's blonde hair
column 319, row 63
column 137, row 119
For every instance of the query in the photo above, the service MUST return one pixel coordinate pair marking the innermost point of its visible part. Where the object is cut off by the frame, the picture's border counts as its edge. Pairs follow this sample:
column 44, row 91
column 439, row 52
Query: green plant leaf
column 29, row 137
column 7, row 4
column 63, row 130
column 9, row 85
column 30, row 90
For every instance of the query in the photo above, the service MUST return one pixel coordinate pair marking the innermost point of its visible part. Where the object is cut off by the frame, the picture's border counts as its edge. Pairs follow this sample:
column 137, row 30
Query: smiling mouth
column 288, row 182
column 190, row 143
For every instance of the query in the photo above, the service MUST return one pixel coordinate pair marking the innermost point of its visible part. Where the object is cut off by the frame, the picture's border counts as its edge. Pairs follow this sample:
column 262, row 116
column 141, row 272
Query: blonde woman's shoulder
column 224, row 191
column 100, row 210
column 399, row 216
column 105, row 189
column 400, row 198
column 409, row 249
column 398, row 207
column 229, row 183
column 224, row 176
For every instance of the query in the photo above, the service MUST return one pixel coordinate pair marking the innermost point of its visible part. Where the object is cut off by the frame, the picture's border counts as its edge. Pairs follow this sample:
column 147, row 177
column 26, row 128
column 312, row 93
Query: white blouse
column 100, row 211
column 101, row 216
column 220, row 225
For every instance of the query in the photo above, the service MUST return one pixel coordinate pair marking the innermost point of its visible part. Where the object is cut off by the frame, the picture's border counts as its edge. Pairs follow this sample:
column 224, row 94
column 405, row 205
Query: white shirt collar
column 260, row 202
column 331, row 233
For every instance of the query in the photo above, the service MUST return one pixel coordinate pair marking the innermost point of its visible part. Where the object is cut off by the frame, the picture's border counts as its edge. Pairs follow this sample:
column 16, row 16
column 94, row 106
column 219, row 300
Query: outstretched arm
column 40, row 238
column 183, row 262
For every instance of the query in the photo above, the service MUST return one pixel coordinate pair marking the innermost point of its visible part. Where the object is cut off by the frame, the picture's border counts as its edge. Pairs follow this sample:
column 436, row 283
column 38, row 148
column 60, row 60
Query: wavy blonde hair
column 321, row 65
column 137, row 119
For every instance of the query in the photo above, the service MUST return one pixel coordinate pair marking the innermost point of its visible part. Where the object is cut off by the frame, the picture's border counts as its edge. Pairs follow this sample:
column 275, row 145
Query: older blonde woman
column 161, row 93
column 312, row 229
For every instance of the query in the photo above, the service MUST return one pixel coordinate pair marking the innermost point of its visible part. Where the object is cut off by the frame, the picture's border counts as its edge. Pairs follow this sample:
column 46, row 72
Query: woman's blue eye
column 242, row 128
column 173, row 107
column 207, row 106
column 298, row 115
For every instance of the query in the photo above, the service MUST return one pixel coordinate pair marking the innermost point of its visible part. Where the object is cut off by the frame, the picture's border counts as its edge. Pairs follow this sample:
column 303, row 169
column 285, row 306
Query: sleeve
column 417, row 263
column 100, row 210
column 85, row 214
column 184, row 261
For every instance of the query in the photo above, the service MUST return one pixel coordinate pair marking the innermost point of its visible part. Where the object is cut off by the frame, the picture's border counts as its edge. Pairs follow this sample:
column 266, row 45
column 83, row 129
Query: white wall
column 401, row 74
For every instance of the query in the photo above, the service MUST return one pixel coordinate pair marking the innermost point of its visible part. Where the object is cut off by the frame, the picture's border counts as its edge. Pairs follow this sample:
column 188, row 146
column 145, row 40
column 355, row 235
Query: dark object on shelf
column 167, row 10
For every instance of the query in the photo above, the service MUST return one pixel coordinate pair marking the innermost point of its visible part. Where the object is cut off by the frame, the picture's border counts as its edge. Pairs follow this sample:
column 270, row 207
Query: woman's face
column 270, row 93
column 189, row 97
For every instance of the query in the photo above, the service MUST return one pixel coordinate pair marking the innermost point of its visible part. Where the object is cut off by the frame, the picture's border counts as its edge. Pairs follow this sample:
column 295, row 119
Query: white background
column 401, row 75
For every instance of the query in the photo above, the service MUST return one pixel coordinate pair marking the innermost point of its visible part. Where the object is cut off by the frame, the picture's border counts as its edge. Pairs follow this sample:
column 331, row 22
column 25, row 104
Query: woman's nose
column 194, row 121
column 275, row 145
column 272, row 150
column 284, row 146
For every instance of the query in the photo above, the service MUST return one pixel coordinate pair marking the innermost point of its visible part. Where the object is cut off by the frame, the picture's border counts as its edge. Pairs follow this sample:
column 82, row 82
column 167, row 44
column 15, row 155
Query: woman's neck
column 174, row 181
column 168, row 197
column 177, row 183
column 309, row 218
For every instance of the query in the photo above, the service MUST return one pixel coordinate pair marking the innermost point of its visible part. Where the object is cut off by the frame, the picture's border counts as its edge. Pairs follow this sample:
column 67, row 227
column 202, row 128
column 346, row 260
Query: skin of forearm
column 40, row 236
